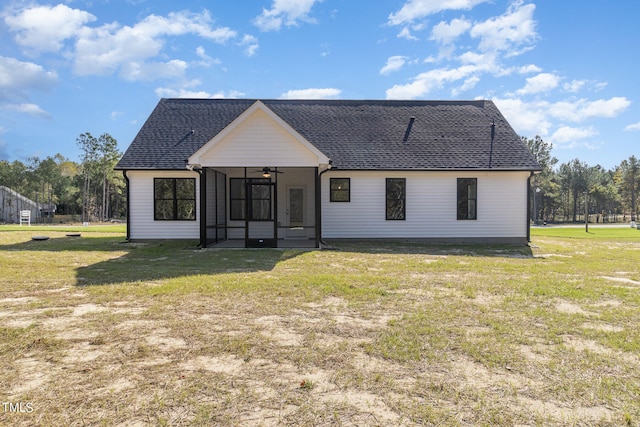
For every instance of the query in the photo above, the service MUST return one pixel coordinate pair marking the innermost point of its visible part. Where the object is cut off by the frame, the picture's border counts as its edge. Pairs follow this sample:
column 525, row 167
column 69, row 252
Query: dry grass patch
column 103, row 333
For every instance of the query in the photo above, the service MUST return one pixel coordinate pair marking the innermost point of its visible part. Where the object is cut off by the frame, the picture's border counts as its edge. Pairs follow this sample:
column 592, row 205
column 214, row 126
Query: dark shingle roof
column 353, row 134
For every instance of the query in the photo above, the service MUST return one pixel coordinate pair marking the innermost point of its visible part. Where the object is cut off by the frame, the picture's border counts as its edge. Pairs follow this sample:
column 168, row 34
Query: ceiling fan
column 267, row 171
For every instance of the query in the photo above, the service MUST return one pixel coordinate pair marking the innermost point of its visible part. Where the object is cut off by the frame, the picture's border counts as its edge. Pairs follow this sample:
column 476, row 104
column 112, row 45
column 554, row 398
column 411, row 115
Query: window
column 396, row 194
column 340, row 190
column 467, row 198
column 174, row 199
column 257, row 201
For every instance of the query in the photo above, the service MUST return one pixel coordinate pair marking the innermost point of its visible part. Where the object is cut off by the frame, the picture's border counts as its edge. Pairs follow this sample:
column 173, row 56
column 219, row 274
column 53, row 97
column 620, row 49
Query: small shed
column 13, row 203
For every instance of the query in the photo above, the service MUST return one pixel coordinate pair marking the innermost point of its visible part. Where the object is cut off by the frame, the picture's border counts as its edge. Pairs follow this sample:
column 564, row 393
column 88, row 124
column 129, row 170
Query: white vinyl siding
column 141, row 222
column 256, row 142
column 431, row 206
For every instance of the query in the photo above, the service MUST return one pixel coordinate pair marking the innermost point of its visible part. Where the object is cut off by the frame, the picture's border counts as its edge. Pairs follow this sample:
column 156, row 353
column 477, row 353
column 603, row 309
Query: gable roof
column 247, row 116
column 353, row 134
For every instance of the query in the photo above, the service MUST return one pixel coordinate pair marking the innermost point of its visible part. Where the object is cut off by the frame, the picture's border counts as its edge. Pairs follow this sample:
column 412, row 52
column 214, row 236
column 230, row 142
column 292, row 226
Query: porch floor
column 282, row 244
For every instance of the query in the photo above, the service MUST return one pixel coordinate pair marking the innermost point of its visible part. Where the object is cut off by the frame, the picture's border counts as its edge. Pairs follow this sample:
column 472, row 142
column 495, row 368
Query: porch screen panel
column 221, row 206
column 237, row 198
column 260, row 206
column 216, row 206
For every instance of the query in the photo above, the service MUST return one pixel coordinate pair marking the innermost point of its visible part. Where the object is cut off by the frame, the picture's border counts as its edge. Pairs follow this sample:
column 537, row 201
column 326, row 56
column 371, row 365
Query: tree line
column 89, row 190
column 564, row 193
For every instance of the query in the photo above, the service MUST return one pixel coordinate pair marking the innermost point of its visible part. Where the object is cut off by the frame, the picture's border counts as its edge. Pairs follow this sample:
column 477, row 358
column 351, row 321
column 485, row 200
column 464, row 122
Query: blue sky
column 565, row 70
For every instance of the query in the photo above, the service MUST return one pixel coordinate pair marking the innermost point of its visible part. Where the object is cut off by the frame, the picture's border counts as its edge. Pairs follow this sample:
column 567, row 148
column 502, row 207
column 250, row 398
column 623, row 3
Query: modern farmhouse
column 286, row 173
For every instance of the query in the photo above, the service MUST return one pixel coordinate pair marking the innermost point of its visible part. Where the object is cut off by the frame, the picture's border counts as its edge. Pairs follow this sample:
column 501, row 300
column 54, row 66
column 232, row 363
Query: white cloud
column 250, row 43
column 447, row 32
column 538, row 117
column 566, row 134
column 312, row 93
column 526, row 117
column 528, row 69
column 140, row 71
column 164, row 92
column 497, row 38
column 27, row 108
column 574, row 85
column 186, row 93
column 45, row 28
column 579, row 110
column 485, row 61
column 112, row 48
column 543, row 82
column 405, row 33
column 287, row 12
column 507, row 32
column 425, row 82
column 394, row 63
column 578, row 85
column 205, row 60
column 17, row 77
column 633, row 127
column 468, row 84
column 417, row 9
column 103, row 50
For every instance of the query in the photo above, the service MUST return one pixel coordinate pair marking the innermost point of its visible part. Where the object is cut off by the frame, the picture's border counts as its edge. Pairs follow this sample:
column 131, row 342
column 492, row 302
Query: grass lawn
column 100, row 332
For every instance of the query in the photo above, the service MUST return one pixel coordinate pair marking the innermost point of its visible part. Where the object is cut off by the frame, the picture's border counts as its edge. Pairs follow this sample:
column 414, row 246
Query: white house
column 268, row 173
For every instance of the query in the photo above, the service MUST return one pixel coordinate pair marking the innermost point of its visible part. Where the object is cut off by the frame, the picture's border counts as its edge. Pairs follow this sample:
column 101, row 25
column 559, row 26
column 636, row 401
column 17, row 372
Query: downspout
column 275, row 207
column 126, row 180
column 203, row 207
column 319, row 205
column 529, row 206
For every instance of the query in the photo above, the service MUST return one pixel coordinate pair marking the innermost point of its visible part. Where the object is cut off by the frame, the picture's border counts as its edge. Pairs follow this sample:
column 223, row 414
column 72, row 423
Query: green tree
column 99, row 180
column 575, row 178
column 628, row 180
column 109, row 155
column 88, row 145
column 544, row 188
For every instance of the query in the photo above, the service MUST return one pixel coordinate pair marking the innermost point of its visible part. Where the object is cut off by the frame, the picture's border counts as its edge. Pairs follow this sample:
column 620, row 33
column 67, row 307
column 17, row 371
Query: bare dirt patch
column 567, row 413
column 571, row 308
column 624, row 280
column 162, row 339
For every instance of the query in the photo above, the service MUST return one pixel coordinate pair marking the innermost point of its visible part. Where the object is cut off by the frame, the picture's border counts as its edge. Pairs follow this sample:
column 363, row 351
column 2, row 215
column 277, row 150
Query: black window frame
column 464, row 202
column 335, row 192
column 247, row 199
column 391, row 199
column 174, row 199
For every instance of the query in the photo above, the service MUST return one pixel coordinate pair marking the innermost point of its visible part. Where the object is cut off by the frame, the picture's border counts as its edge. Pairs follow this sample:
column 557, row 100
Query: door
column 260, row 213
column 296, row 211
